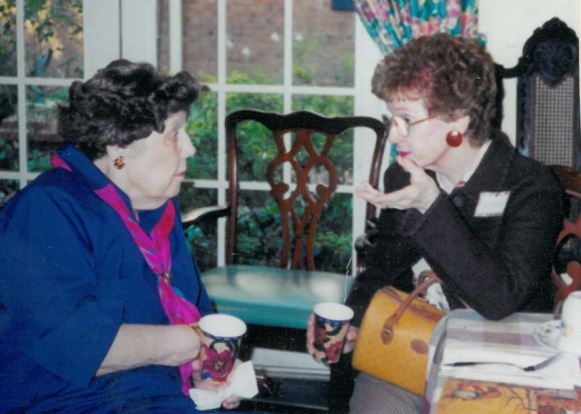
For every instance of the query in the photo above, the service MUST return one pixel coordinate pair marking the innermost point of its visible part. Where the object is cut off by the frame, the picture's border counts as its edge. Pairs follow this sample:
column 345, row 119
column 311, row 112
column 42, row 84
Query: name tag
column 491, row 204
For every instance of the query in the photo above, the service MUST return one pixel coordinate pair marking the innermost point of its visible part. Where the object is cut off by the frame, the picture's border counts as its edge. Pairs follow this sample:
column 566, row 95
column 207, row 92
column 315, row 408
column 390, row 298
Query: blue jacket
column 70, row 275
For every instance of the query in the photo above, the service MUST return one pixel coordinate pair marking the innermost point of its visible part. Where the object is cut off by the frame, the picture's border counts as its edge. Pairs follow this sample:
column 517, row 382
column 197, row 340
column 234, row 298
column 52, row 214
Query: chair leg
column 341, row 385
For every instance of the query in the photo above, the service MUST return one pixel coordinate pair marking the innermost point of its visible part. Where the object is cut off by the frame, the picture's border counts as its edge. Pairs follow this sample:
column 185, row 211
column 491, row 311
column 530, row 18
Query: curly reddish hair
column 454, row 76
column 123, row 102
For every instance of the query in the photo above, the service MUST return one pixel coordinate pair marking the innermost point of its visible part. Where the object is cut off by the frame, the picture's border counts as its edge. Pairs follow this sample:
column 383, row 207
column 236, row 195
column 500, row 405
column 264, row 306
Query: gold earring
column 119, row 162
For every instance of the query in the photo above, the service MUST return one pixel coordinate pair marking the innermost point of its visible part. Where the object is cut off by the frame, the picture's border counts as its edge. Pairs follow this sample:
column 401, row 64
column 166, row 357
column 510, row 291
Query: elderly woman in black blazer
column 481, row 216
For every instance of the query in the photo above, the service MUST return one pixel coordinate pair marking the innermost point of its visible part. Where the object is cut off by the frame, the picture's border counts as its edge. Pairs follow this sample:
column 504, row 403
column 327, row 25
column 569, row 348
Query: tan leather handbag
column 392, row 344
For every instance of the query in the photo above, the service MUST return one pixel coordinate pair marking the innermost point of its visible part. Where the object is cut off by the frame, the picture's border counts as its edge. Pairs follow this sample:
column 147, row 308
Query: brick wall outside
column 323, row 39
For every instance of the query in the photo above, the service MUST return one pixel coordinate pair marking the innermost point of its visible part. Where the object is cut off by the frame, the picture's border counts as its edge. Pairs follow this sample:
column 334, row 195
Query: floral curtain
column 391, row 23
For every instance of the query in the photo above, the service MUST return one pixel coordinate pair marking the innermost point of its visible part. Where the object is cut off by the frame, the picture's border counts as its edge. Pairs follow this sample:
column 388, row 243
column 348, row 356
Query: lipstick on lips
column 403, row 154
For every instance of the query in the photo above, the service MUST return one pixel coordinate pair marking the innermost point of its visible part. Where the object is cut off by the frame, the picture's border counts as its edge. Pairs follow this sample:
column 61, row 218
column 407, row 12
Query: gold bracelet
column 195, row 327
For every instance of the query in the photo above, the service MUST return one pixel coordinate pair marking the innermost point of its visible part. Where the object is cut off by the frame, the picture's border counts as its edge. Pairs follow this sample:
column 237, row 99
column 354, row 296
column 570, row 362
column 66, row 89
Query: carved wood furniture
column 547, row 96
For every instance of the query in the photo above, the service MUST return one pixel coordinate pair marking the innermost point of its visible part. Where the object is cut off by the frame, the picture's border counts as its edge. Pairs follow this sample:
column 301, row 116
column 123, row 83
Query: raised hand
column 419, row 194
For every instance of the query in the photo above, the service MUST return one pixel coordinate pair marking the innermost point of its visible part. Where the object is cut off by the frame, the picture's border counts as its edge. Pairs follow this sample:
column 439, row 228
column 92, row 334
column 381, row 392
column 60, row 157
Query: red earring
column 454, row 138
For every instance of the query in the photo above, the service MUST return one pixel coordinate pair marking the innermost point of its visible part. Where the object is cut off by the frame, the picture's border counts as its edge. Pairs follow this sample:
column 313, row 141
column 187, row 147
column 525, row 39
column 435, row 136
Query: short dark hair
column 122, row 103
column 453, row 75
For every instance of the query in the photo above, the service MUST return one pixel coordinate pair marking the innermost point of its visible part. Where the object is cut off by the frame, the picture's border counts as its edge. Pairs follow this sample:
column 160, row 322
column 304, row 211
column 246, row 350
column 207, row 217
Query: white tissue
column 242, row 383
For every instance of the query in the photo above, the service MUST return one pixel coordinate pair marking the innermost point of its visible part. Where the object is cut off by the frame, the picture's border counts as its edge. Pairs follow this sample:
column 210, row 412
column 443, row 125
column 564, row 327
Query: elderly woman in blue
column 97, row 287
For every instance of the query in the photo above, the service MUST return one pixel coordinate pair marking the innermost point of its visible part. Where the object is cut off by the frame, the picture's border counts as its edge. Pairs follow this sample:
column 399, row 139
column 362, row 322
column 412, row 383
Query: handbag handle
column 387, row 333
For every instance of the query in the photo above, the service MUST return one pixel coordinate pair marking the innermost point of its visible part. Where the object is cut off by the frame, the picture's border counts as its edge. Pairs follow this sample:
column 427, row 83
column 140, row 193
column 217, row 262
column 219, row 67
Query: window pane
column 54, row 38
column 256, row 146
column 324, row 105
column 8, row 128
column 43, row 138
column 258, row 239
column 8, row 38
column 7, row 189
column 202, row 239
column 258, row 233
column 341, row 152
column 333, row 240
column 203, row 130
column 259, row 101
column 255, row 44
column 323, row 44
column 200, row 38
column 163, row 36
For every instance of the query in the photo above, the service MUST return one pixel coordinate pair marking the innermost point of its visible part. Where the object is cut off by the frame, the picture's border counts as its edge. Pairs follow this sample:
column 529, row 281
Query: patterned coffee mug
column 220, row 337
column 332, row 321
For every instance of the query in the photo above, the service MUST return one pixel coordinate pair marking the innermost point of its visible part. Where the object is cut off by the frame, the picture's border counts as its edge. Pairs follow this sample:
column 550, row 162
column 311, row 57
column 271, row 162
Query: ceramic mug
column 220, row 337
column 332, row 321
column 570, row 339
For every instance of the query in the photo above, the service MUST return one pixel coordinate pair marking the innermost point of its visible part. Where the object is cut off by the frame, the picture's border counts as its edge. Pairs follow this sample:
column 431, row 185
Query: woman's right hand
column 140, row 345
column 350, row 339
column 187, row 345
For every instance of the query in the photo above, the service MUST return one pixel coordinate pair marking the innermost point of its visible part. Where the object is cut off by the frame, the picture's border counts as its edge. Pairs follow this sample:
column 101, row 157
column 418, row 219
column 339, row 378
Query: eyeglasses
column 402, row 126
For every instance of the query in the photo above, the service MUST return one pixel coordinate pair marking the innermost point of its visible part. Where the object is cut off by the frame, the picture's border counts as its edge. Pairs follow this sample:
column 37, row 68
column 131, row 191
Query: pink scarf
column 156, row 251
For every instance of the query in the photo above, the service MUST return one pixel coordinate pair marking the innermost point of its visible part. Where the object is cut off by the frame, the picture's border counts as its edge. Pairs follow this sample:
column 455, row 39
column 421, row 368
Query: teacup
column 220, row 337
column 332, row 321
column 570, row 339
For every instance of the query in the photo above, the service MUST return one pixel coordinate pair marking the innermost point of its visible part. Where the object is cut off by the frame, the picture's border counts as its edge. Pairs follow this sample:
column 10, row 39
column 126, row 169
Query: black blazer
column 496, row 265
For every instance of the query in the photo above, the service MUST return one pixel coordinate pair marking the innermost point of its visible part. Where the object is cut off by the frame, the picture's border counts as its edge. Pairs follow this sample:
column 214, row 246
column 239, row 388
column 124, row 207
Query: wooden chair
column 547, row 96
column 567, row 255
column 275, row 299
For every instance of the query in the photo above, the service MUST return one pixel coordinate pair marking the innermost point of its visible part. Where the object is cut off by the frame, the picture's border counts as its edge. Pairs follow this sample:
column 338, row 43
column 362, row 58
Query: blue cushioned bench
column 272, row 296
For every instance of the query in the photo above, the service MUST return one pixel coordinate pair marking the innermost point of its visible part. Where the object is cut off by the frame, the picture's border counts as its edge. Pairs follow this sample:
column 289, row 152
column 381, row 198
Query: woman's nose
column 394, row 135
column 188, row 148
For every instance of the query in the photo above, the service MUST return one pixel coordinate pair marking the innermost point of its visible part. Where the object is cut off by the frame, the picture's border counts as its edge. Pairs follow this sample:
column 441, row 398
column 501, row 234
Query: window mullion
column 221, row 91
column 287, row 79
column 175, row 36
column 21, row 90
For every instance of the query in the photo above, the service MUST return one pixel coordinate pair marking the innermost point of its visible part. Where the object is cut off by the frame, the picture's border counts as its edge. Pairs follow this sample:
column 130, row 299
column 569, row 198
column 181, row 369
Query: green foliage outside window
column 202, row 129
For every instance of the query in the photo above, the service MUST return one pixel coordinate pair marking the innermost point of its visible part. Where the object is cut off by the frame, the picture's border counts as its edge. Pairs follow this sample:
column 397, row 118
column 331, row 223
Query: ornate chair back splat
column 302, row 177
column 299, row 227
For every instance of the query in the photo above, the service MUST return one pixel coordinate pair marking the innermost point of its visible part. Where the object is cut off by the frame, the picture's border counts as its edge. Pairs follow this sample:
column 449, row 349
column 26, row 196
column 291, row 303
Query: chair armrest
column 201, row 214
column 566, row 274
column 566, row 251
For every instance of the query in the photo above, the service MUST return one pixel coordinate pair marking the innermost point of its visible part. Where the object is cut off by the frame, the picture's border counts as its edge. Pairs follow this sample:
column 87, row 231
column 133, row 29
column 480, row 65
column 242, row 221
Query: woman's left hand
column 419, row 194
column 230, row 403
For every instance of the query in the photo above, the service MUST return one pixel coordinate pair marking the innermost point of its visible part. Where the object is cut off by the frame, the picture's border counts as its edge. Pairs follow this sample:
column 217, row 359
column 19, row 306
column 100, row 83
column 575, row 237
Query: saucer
column 548, row 334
